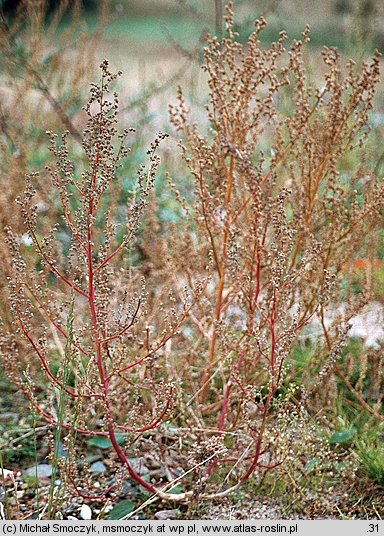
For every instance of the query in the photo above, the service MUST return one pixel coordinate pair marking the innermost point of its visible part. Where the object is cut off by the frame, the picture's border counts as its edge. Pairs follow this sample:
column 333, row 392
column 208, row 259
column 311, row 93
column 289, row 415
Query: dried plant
column 258, row 260
column 280, row 216
column 80, row 305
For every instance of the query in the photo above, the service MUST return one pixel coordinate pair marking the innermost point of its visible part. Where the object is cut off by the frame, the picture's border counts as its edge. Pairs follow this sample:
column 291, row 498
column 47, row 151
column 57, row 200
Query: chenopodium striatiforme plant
column 80, row 306
column 280, row 215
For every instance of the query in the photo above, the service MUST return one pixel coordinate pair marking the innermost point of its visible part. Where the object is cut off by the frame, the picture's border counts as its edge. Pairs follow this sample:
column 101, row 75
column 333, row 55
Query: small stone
column 166, row 514
column 43, row 470
column 85, row 512
column 138, row 466
column 9, row 417
column 98, row 467
column 93, row 458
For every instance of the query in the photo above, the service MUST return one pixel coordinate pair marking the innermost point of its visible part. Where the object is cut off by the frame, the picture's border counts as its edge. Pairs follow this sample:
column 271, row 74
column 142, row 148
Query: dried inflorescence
column 81, row 306
column 280, row 216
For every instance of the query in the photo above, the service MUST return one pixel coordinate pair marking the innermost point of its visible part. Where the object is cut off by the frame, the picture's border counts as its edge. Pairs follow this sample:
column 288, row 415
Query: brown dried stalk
column 276, row 210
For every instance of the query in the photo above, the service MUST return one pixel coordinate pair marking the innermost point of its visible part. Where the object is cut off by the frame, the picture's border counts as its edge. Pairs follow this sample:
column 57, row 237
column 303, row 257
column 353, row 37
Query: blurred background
column 159, row 42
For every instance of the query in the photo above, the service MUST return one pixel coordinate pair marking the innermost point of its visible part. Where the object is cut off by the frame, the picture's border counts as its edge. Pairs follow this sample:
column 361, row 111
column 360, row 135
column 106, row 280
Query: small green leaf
column 121, row 509
column 176, row 490
column 228, row 441
column 343, row 437
column 104, row 443
column 311, row 464
column 100, row 442
column 120, row 439
column 170, row 428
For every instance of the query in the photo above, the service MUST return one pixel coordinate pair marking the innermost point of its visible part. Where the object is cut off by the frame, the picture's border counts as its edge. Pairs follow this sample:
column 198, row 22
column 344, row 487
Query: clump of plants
column 81, row 308
column 257, row 259
column 274, row 206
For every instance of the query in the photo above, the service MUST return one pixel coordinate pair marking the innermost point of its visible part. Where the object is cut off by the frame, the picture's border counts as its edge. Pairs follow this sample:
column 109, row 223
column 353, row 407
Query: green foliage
column 372, row 461
column 369, row 450
column 104, row 443
column 21, row 455
column 343, row 437
column 122, row 509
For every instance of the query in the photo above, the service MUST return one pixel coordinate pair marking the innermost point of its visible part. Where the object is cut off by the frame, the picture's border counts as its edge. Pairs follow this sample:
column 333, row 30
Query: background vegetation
column 199, row 395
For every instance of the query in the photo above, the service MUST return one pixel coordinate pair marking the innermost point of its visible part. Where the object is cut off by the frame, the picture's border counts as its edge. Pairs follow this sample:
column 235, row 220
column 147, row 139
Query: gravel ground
column 259, row 508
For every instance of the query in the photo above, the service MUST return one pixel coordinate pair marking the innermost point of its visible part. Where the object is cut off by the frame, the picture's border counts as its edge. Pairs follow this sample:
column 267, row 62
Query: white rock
column 98, row 467
column 85, row 512
column 166, row 514
column 26, row 240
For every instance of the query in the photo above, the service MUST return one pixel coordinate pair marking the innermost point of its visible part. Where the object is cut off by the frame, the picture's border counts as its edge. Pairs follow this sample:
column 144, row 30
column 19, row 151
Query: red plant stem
column 202, row 197
column 54, row 322
column 110, row 257
column 273, row 337
column 66, row 215
column 122, row 457
column 153, row 350
column 125, row 328
column 128, row 367
column 47, row 417
column 231, row 460
column 42, row 359
column 271, row 391
column 227, row 393
column 104, row 381
column 257, row 291
column 241, row 360
column 241, row 387
column 228, row 387
column 65, row 335
column 282, row 156
column 89, row 497
column 224, row 409
column 259, row 439
column 221, row 272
